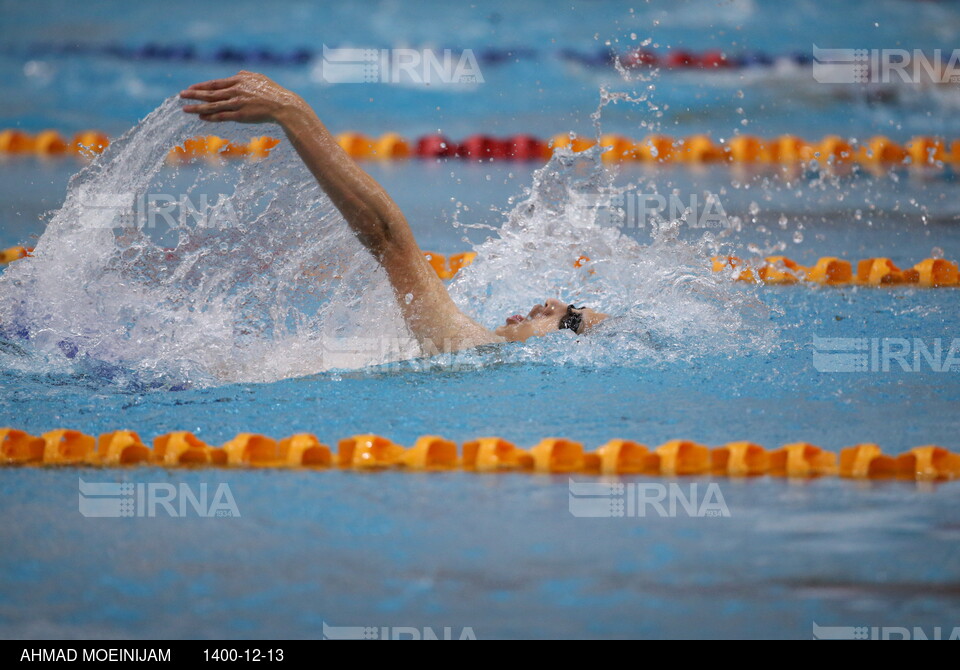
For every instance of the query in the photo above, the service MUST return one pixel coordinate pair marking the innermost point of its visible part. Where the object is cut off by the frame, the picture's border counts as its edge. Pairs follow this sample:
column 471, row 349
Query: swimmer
column 375, row 218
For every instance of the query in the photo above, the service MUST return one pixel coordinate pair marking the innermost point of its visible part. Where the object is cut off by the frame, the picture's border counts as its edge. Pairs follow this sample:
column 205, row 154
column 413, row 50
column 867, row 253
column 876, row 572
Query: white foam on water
column 268, row 282
column 251, row 290
column 665, row 301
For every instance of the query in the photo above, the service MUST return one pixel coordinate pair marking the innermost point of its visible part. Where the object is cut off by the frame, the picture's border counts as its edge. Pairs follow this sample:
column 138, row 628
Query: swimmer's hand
column 246, row 97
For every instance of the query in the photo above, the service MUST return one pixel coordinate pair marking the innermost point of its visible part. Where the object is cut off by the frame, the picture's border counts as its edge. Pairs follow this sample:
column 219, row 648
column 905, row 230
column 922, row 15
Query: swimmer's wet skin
column 429, row 312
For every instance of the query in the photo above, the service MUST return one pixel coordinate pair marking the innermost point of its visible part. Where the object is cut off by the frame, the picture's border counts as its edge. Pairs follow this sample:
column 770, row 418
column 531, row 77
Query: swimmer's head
column 551, row 316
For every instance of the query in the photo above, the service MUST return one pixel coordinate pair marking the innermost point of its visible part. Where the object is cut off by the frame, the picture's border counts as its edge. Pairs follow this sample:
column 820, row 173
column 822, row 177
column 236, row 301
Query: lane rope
column 875, row 153
column 487, row 454
column 828, row 271
column 632, row 58
column 832, row 271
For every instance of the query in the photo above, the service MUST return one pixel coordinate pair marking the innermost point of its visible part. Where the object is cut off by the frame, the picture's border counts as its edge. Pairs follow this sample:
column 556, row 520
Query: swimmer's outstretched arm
column 375, row 218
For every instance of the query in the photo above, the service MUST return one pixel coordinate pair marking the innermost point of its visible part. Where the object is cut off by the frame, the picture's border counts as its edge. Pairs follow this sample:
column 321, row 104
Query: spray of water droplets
column 266, row 281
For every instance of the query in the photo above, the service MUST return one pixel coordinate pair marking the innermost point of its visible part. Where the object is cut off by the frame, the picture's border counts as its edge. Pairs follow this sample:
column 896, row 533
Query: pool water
column 696, row 358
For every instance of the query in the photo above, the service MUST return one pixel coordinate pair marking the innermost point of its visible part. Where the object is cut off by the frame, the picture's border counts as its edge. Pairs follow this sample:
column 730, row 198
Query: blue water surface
column 503, row 555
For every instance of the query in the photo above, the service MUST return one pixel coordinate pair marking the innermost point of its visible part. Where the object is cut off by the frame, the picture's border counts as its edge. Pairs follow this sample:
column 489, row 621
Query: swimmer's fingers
column 213, row 107
column 209, row 96
column 215, row 84
column 246, row 97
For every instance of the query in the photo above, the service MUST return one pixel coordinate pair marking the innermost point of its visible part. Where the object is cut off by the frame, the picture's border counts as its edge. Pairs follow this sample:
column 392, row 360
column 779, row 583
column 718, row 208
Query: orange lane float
column 747, row 149
column 357, row 145
column 935, row 272
column 217, row 146
column 556, row 455
column 260, row 147
column 550, row 456
column 368, row 452
column 831, row 271
column 781, row 270
column 928, row 463
column 122, row 447
column 802, row 459
column 13, row 254
column 926, row 151
column 213, row 147
column 625, row 457
column 391, row 147
column 789, row 149
column 575, row 144
column 833, row 149
column 430, row 452
column 15, row 142
column 457, row 262
column 184, row 448
column 492, row 454
column 866, row 461
column 882, row 150
column 304, row 450
column 740, row 459
column 880, row 271
column 655, row 149
column 699, row 149
column 17, row 446
column 68, row 447
column 447, row 267
column 50, row 143
column 252, row 450
column 618, row 148
column 439, row 264
column 89, row 142
column 682, row 457
column 731, row 265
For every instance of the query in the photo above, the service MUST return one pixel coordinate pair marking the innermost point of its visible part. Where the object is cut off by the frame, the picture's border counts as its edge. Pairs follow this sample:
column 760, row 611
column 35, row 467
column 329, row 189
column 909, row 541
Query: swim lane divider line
column 877, row 153
column 635, row 58
column 124, row 448
column 829, row 270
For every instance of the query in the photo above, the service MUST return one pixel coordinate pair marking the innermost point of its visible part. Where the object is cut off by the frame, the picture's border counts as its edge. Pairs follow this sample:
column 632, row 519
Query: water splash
column 254, row 287
column 558, row 241
column 266, row 281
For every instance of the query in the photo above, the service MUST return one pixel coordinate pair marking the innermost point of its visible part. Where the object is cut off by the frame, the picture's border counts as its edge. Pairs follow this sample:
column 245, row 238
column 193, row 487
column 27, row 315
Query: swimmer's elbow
column 380, row 226
column 379, row 234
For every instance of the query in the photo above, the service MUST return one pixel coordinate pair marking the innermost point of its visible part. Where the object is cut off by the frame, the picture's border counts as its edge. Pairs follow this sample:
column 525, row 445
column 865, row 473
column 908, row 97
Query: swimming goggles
column 572, row 320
